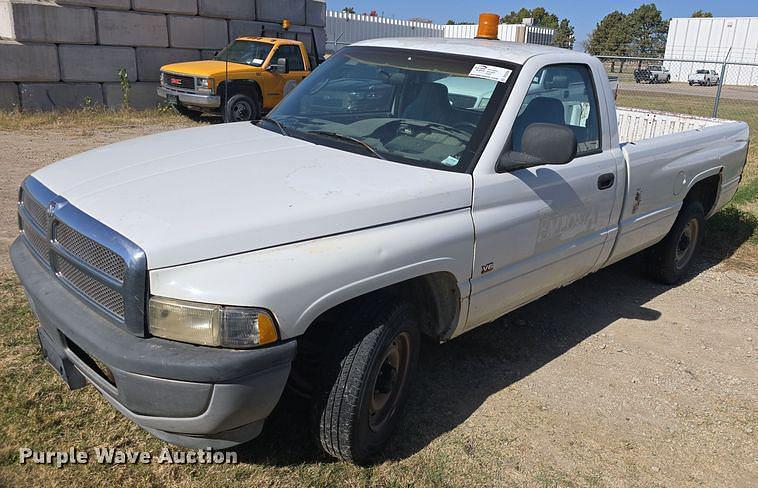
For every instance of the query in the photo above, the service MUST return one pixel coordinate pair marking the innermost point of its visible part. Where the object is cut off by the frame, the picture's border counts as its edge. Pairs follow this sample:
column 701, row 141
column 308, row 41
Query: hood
column 206, row 192
column 206, row 69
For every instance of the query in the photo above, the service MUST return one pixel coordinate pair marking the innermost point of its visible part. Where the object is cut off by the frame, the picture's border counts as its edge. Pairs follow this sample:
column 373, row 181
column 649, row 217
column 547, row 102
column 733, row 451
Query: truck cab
column 244, row 80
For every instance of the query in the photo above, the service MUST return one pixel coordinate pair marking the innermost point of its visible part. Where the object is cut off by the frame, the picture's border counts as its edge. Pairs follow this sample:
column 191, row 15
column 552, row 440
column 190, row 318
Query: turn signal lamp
column 488, row 26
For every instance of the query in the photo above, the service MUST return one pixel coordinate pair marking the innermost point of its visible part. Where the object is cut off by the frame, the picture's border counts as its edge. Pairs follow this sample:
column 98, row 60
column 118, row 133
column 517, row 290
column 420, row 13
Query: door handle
column 605, row 181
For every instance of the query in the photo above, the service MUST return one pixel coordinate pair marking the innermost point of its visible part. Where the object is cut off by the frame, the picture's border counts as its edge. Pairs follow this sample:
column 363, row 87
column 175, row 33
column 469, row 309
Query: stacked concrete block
column 198, row 32
column 142, row 95
column 39, row 21
column 227, row 9
column 187, row 7
column 67, row 53
column 118, row 28
column 150, row 60
column 9, row 96
column 51, row 96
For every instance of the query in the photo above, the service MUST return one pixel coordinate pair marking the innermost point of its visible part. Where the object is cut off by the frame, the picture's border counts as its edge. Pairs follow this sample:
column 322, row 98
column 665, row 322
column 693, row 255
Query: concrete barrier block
column 142, row 95
column 9, row 96
column 37, row 21
column 276, row 10
column 56, row 96
column 307, row 41
column 227, row 9
column 197, row 32
column 188, row 7
column 242, row 28
column 112, row 4
column 96, row 63
column 28, row 62
column 150, row 60
column 132, row 28
column 315, row 13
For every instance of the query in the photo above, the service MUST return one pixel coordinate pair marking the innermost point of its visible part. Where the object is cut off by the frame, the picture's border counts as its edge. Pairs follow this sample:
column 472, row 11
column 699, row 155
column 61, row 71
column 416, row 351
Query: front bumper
column 188, row 395
column 191, row 99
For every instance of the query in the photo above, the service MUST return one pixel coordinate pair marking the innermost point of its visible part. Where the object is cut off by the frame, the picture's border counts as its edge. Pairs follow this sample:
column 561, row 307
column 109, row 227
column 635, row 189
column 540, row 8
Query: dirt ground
column 612, row 381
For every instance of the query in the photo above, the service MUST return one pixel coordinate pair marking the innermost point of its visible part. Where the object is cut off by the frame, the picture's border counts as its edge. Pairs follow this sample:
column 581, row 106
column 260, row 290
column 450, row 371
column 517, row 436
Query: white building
column 343, row 29
column 705, row 43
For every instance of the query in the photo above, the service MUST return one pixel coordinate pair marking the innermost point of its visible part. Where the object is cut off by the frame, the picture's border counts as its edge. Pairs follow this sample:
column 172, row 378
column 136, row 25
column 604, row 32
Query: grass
column 93, row 118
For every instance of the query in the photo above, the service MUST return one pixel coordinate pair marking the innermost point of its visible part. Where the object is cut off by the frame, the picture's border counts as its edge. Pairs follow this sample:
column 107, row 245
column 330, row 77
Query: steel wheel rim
column 241, row 111
column 389, row 381
column 685, row 246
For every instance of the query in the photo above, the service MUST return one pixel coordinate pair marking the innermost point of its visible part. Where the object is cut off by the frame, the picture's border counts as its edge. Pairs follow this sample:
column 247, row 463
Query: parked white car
column 190, row 276
column 705, row 77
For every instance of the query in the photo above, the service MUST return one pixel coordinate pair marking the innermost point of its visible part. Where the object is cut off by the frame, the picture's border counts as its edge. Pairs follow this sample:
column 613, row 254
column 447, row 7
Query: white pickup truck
column 190, row 276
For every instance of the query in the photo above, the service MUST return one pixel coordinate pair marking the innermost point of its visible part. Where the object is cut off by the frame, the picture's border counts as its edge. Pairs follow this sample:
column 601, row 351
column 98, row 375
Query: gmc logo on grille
column 175, row 81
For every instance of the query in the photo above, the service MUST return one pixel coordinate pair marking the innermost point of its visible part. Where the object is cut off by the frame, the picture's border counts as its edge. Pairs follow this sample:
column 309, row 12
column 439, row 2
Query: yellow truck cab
column 250, row 76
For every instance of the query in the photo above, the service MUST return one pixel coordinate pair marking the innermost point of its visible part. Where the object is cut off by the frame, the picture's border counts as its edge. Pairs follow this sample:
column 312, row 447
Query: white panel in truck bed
column 636, row 124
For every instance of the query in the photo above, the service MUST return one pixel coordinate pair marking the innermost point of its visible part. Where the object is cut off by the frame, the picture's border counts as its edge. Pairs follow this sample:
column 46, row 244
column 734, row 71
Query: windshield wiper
column 343, row 137
column 282, row 128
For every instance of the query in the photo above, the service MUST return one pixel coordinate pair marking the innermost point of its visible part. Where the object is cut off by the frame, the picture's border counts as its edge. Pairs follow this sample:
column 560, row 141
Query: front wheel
column 242, row 108
column 669, row 261
column 364, row 381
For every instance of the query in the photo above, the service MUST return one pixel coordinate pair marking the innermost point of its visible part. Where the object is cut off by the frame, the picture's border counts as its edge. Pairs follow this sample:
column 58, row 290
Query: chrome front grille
column 103, row 268
column 39, row 243
column 37, row 211
column 91, row 252
column 106, row 297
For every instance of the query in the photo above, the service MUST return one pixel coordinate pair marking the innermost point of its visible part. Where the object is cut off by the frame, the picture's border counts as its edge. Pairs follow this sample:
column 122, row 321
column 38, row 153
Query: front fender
column 298, row 282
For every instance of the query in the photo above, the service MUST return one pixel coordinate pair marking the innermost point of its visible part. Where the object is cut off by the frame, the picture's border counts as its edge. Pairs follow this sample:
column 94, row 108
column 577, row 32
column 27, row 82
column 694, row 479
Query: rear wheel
column 363, row 383
column 242, row 107
column 670, row 260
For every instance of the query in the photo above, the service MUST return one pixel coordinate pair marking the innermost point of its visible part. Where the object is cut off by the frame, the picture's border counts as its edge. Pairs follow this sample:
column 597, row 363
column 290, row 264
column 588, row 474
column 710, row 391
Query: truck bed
column 637, row 124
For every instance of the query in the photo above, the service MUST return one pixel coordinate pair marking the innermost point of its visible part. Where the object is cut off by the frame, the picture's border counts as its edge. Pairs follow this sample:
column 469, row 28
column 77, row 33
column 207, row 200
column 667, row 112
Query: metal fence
column 703, row 87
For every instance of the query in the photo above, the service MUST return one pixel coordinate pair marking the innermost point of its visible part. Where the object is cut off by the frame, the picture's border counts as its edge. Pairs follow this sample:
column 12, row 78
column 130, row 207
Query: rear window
column 703, row 72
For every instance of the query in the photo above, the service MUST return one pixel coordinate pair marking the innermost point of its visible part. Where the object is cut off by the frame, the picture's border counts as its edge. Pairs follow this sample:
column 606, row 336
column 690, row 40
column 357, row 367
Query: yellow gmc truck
column 251, row 75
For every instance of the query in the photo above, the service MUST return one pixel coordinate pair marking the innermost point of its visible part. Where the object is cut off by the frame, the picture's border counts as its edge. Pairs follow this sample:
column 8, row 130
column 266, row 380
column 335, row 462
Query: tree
column 564, row 35
column 610, row 36
column 539, row 16
column 422, row 20
column 647, row 31
column 702, row 13
column 348, row 10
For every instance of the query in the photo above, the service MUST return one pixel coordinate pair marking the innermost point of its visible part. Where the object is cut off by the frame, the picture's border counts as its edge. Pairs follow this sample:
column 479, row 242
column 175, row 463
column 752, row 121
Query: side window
column 293, row 56
column 562, row 94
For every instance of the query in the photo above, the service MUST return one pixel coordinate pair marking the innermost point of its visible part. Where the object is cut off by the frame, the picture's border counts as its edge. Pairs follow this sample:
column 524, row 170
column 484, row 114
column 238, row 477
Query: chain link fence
column 706, row 88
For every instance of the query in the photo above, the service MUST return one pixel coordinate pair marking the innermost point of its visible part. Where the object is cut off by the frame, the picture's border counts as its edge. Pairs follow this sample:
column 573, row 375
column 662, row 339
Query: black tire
column 363, row 382
column 242, row 108
column 670, row 260
column 194, row 115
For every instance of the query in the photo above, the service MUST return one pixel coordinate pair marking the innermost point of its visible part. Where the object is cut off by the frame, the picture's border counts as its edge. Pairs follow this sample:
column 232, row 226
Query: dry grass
column 88, row 119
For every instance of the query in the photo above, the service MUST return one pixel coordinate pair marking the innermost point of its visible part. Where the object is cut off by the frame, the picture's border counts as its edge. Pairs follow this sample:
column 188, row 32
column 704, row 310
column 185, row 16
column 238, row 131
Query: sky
column 584, row 15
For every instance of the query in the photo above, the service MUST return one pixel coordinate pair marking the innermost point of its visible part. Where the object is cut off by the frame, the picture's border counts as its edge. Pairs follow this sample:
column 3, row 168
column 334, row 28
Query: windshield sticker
column 494, row 73
column 450, row 161
column 257, row 61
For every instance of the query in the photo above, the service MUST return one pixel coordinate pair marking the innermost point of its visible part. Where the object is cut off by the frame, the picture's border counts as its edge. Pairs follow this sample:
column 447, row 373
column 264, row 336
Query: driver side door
column 542, row 227
column 280, row 84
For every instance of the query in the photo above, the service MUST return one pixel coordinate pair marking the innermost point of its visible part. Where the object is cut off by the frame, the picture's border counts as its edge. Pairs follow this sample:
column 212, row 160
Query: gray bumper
column 189, row 395
column 192, row 99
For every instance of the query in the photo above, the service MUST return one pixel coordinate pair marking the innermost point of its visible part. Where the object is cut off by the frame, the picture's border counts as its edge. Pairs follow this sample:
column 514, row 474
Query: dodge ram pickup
column 191, row 276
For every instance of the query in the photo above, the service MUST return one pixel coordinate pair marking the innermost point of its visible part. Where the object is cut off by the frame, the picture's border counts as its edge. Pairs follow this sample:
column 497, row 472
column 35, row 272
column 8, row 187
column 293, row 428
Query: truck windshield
column 434, row 110
column 251, row 53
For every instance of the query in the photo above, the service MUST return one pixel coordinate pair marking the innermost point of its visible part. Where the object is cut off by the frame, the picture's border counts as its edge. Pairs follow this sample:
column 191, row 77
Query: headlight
column 204, row 85
column 210, row 325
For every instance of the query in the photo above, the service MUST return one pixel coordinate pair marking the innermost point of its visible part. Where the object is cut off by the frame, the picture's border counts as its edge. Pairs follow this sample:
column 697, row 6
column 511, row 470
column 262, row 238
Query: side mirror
column 281, row 66
column 541, row 144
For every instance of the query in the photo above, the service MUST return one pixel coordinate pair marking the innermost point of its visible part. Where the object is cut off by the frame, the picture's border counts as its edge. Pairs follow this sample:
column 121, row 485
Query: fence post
column 721, row 83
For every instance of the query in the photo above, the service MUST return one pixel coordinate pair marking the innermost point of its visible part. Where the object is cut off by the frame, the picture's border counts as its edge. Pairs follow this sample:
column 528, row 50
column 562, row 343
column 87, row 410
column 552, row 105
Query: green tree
column 702, row 13
column 647, row 31
column 348, row 10
column 564, row 35
column 610, row 36
column 539, row 15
